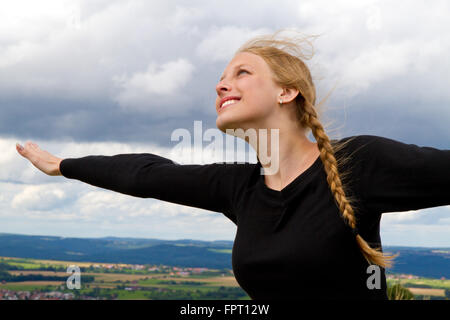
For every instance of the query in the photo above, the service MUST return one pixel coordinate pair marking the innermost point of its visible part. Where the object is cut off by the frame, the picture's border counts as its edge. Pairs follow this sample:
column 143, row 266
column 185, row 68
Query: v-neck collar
column 286, row 193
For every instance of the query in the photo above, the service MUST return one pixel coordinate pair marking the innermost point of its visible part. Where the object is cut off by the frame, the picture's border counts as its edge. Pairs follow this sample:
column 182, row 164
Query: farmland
column 121, row 281
column 128, row 281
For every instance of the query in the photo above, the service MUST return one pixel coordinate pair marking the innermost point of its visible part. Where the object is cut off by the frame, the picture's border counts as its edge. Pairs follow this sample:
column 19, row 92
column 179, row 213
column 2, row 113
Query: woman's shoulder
column 359, row 139
column 363, row 144
column 363, row 152
column 239, row 172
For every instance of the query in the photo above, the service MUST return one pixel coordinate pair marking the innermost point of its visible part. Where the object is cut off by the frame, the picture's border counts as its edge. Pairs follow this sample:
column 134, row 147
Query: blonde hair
column 290, row 71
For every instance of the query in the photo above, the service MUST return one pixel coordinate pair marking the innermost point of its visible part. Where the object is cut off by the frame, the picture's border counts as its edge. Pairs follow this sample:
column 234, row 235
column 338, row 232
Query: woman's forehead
column 242, row 59
column 246, row 58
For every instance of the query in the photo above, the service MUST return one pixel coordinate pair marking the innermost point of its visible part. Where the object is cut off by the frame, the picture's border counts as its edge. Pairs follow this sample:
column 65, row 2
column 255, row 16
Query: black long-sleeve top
column 291, row 243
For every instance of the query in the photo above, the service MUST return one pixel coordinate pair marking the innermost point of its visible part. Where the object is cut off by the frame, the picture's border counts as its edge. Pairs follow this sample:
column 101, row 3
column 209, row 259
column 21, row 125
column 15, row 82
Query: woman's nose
column 222, row 86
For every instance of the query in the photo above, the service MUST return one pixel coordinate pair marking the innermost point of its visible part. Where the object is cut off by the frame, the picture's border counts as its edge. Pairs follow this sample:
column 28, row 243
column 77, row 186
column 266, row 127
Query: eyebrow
column 238, row 66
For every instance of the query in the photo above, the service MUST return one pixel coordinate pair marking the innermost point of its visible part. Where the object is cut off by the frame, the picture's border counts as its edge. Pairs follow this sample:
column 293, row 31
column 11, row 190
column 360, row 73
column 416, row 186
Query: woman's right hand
column 41, row 159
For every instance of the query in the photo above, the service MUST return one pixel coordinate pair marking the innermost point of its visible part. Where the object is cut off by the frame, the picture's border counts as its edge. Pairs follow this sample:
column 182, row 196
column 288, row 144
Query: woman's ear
column 289, row 94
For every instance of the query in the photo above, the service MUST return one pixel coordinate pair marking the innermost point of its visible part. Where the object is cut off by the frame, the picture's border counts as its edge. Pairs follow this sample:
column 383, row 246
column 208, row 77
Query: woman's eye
column 239, row 72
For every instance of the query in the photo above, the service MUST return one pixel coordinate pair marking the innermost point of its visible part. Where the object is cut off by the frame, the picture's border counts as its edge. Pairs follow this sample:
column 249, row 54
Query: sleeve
column 400, row 177
column 210, row 187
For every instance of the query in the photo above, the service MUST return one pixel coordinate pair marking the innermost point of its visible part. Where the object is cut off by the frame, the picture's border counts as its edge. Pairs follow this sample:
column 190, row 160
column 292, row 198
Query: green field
column 125, row 282
column 221, row 250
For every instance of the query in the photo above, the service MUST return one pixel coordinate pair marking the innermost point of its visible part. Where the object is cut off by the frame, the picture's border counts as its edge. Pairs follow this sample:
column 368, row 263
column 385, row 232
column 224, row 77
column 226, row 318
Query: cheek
column 261, row 98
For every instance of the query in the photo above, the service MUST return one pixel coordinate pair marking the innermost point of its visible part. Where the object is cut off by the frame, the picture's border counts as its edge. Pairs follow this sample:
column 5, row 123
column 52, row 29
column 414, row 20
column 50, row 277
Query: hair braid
column 327, row 155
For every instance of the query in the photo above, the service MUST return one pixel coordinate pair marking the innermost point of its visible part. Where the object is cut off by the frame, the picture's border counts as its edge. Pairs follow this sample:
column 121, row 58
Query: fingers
column 20, row 149
column 26, row 148
column 34, row 145
column 30, row 145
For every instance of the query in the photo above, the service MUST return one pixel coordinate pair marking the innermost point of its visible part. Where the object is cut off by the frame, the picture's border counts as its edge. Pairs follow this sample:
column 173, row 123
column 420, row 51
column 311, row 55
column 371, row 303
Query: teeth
column 229, row 102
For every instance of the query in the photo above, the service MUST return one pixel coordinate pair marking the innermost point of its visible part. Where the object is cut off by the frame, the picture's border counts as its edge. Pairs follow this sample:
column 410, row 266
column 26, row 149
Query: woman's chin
column 234, row 120
column 224, row 124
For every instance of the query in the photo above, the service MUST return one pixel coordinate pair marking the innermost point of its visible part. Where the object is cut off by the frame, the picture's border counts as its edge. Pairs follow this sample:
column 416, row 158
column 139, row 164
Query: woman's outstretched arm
column 400, row 177
column 215, row 187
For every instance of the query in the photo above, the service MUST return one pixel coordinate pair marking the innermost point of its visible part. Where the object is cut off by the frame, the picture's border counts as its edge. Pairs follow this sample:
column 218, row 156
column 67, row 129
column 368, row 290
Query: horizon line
column 184, row 239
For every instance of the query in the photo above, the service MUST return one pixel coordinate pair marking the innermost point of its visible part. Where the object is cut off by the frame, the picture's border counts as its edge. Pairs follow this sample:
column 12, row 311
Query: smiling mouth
column 228, row 103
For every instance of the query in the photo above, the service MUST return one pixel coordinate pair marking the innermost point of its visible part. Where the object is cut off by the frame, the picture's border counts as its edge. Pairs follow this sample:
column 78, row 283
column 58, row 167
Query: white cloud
column 41, row 197
column 373, row 65
column 31, row 20
column 374, row 20
column 183, row 20
column 418, row 217
column 172, row 76
column 379, row 42
column 143, row 91
column 221, row 43
column 73, row 48
column 392, row 218
column 426, row 227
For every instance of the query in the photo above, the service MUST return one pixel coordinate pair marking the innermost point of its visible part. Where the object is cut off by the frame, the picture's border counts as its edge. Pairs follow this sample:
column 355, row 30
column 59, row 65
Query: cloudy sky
column 84, row 77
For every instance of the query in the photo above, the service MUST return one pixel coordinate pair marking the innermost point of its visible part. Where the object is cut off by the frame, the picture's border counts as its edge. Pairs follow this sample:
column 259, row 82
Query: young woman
column 310, row 230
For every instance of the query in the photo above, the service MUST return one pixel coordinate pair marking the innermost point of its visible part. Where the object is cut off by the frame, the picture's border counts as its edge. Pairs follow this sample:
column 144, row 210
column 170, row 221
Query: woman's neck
column 288, row 155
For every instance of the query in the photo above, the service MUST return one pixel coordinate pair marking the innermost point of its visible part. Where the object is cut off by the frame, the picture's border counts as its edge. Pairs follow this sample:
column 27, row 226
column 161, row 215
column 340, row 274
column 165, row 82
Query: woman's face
column 249, row 78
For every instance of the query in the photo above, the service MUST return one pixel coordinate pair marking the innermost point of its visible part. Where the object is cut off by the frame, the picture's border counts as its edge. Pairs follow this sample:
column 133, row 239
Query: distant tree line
column 6, row 276
column 6, row 266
